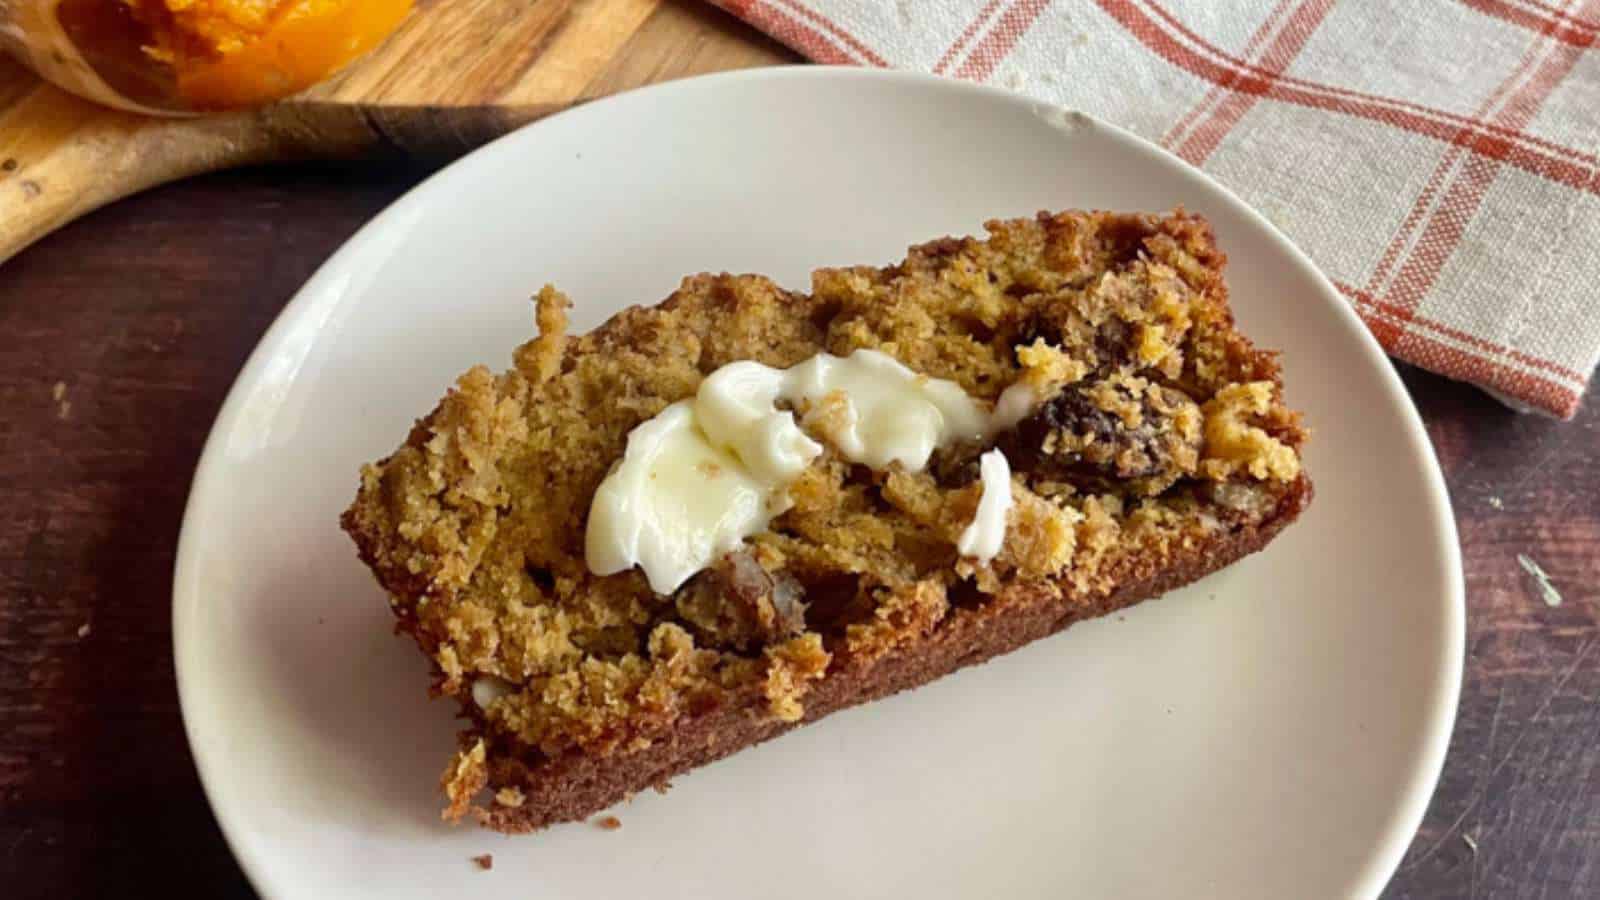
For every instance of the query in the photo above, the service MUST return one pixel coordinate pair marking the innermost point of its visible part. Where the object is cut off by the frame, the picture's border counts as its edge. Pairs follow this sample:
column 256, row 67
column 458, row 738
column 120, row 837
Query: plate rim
column 1404, row 818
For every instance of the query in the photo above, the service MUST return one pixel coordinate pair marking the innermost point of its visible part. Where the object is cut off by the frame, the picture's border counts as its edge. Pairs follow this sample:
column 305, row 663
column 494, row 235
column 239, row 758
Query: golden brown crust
column 1161, row 450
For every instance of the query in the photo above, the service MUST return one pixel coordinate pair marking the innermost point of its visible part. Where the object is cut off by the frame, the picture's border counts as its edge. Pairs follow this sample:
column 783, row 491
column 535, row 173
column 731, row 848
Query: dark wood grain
column 144, row 312
column 1517, row 812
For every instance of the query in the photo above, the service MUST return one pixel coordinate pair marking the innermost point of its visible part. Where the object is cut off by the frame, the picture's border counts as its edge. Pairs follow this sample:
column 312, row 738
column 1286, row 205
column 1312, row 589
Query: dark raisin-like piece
column 1121, row 434
column 739, row 605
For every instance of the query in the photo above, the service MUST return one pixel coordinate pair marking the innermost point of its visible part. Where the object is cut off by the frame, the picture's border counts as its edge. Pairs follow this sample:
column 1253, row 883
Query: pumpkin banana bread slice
column 1148, row 445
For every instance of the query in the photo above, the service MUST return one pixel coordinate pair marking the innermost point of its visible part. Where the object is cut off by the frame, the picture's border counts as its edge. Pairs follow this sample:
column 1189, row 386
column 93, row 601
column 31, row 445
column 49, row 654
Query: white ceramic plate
column 1273, row 731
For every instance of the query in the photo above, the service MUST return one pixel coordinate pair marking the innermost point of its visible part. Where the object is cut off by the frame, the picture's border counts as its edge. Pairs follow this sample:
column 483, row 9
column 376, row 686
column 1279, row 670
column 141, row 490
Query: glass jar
column 180, row 56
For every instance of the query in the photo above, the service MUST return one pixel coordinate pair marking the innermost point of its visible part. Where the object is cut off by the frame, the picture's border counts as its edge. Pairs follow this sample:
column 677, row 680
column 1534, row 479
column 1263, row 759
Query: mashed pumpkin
column 219, row 54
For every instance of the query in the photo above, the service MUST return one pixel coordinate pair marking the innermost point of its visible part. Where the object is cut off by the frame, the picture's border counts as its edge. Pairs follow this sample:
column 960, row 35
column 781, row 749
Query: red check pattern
column 1437, row 158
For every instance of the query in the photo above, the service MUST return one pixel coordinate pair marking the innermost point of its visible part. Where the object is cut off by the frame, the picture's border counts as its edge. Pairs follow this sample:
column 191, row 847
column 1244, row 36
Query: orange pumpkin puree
column 221, row 54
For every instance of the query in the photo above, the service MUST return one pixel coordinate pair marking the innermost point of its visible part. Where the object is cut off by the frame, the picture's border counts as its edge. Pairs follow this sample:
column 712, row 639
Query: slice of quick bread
column 1147, row 444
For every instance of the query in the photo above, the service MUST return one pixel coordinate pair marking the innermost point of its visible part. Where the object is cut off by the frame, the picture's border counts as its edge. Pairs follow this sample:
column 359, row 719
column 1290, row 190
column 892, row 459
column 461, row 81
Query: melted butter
column 675, row 503
column 737, row 408
column 1016, row 403
column 983, row 538
column 707, row 473
column 876, row 411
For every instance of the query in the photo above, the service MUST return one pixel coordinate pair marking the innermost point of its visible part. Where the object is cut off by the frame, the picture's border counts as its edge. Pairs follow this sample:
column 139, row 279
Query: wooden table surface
column 120, row 335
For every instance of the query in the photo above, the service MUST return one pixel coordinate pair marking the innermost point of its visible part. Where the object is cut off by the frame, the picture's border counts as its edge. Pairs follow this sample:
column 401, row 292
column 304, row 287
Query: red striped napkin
column 1437, row 158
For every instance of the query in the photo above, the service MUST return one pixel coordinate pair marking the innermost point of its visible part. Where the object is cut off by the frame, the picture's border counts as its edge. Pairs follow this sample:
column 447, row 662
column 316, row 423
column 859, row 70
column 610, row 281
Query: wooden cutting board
column 456, row 74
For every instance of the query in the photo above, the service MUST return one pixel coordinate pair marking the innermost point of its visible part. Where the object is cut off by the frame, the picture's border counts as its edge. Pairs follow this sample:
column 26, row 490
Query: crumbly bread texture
column 1161, row 450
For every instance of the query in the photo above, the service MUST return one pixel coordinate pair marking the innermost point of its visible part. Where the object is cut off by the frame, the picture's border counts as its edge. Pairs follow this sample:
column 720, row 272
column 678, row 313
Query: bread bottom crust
column 574, row 786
